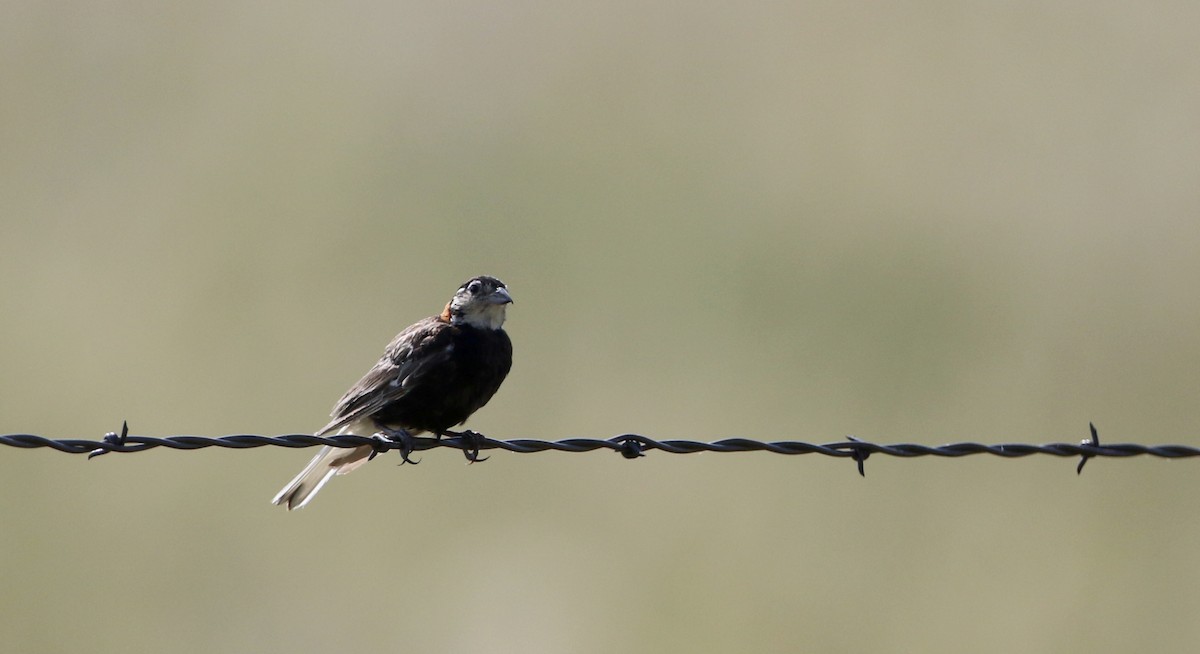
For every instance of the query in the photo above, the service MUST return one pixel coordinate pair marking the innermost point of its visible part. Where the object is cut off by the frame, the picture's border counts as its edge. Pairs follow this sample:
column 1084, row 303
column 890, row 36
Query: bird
column 432, row 376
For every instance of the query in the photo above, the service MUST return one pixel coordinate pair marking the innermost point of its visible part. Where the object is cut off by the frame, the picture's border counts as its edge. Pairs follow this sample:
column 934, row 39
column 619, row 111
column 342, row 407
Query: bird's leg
column 401, row 436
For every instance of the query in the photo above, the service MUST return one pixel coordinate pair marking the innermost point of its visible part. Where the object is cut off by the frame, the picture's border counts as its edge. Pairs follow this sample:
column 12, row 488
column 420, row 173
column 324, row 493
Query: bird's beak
column 500, row 296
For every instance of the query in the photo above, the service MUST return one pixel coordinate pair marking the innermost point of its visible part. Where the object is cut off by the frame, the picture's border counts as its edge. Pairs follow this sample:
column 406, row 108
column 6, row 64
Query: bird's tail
column 328, row 462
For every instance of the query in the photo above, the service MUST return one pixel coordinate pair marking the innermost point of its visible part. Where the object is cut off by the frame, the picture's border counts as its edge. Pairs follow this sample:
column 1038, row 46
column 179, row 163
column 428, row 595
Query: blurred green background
column 916, row 222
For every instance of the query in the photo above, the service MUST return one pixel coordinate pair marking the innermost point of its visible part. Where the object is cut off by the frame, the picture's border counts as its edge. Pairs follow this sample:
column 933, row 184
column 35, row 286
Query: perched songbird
column 432, row 376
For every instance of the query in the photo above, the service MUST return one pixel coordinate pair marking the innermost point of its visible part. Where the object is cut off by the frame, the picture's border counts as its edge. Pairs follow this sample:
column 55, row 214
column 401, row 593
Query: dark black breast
column 465, row 367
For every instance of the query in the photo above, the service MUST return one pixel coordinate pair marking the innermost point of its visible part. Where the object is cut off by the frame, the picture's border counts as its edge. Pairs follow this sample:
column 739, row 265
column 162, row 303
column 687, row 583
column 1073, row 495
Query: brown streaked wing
column 416, row 350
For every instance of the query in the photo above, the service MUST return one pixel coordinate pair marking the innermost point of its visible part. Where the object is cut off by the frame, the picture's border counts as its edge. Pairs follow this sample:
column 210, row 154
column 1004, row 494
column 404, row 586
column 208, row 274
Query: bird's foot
column 471, row 441
column 388, row 436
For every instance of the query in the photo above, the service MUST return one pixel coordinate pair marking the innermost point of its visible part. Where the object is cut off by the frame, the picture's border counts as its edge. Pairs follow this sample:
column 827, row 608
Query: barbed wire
column 631, row 446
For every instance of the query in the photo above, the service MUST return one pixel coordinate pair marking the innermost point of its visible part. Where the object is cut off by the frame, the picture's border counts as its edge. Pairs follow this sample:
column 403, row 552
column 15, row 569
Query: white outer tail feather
column 328, row 462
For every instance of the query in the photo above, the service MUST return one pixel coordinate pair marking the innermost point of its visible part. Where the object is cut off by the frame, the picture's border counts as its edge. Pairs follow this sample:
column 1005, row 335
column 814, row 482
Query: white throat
column 489, row 317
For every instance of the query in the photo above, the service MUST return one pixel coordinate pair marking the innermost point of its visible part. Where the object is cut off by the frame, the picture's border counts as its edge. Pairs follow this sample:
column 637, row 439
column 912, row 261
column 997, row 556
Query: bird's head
column 480, row 303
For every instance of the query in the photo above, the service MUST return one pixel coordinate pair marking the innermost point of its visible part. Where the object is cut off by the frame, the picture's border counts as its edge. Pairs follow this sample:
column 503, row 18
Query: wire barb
column 631, row 447
column 860, row 456
column 1094, row 441
column 112, row 438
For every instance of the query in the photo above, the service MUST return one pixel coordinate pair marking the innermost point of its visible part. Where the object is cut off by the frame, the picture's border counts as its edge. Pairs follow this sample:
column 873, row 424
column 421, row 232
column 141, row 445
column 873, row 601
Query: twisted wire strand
column 630, row 445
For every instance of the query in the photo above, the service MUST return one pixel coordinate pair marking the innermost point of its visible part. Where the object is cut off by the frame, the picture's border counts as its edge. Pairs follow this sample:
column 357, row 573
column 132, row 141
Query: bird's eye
column 474, row 286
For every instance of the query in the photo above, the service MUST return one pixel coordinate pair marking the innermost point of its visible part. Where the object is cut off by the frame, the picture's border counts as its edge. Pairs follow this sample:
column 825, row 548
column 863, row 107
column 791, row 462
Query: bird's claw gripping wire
column 471, row 443
column 386, row 439
column 112, row 438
